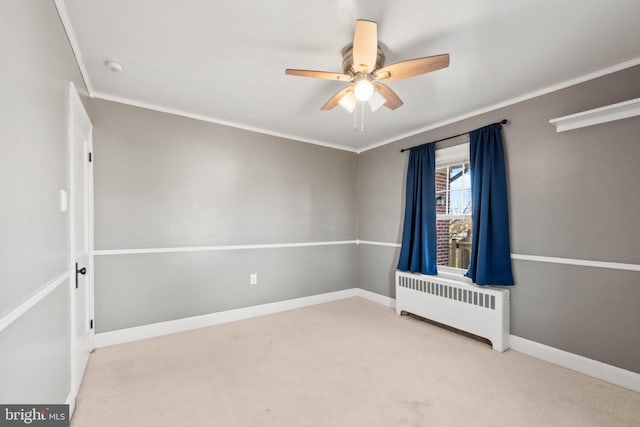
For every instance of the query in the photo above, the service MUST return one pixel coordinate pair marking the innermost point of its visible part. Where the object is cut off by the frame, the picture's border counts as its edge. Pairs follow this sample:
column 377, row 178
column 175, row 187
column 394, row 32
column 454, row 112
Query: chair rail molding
column 16, row 312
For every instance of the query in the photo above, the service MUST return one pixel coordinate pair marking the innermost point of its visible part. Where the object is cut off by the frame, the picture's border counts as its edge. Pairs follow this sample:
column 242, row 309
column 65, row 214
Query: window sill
column 456, row 274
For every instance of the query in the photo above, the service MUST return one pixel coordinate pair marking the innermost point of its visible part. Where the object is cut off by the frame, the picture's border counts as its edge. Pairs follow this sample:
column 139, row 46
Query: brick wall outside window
column 445, row 227
column 442, row 226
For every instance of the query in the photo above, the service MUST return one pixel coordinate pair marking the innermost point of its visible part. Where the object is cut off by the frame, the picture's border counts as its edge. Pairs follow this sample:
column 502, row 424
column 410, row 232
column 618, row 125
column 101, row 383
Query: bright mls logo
column 34, row 415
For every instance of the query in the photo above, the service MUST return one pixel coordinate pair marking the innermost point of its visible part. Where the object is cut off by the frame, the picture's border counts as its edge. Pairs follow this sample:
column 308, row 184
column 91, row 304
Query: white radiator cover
column 482, row 311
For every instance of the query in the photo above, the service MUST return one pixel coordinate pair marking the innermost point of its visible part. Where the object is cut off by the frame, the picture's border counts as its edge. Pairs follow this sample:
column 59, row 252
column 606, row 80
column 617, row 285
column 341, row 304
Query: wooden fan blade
column 336, row 98
column 325, row 75
column 412, row 67
column 365, row 46
column 393, row 100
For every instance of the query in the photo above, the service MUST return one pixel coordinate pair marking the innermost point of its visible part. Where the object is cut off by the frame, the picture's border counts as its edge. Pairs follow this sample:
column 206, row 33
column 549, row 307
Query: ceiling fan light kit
column 362, row 88
column 363, row 67
column 376, row 101
column 348, row 102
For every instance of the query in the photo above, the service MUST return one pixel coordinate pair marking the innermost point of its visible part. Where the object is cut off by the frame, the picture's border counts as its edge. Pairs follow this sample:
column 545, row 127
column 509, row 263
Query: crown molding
column 549, row 89
column 209, row 119
column 73, row 41
column 66, row 23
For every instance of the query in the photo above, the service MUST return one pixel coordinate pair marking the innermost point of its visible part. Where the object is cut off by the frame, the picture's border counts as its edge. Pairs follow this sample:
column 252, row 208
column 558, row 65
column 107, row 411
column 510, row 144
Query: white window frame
column 450, row 156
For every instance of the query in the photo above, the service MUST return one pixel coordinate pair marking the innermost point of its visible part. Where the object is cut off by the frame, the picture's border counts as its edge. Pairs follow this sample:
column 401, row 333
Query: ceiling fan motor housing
column 347, row 60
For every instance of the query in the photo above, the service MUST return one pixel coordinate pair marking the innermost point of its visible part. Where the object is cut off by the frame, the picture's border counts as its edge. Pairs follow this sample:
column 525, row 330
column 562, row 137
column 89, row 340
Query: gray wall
column 37, row 65
column 169, row 181
column 35, row 353
column 165, row 181
column 572, row 194
column 134, row 290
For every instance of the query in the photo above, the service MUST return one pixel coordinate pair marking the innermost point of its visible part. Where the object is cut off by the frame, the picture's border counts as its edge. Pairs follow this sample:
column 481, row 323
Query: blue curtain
column 490, row 249
column 419, row 251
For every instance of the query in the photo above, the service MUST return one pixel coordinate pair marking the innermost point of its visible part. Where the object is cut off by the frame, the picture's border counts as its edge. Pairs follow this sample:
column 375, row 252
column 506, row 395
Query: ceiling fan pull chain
column 362, row 117
column 355, row 119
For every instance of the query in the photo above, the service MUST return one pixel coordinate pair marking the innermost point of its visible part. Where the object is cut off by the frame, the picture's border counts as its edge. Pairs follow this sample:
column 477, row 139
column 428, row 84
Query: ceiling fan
column 363, row 67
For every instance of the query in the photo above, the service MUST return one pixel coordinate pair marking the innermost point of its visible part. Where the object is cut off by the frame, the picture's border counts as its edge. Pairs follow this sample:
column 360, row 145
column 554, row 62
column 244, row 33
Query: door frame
column 77, row 111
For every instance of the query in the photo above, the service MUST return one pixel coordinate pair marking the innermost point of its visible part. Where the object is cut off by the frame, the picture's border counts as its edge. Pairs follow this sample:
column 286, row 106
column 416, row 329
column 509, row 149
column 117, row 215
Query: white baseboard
column 584, row 365
column 602, row 371
column 380, row 299
column 71, row 401
column 121, row 336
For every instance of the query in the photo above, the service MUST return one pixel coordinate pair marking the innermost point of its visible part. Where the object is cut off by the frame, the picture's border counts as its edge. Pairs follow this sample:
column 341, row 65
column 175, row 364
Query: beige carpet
column 344, row 363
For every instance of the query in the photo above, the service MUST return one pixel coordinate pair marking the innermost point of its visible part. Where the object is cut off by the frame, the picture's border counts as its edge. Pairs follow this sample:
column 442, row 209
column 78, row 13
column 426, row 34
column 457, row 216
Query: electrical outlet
column 253, row 279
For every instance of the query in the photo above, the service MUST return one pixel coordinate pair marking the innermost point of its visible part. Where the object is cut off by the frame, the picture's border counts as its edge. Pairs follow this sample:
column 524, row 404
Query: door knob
column 82, row 271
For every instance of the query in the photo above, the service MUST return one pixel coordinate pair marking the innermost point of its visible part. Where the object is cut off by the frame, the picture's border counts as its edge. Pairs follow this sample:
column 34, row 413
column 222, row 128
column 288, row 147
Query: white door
column 81, row 236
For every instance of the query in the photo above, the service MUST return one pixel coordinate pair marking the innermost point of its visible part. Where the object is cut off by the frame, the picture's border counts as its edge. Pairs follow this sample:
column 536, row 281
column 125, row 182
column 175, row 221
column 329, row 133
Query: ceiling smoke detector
column 113, row 66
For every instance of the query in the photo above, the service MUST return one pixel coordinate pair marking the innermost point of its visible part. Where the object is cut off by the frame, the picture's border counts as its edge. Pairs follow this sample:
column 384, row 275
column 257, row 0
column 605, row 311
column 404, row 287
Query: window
column 453, row 206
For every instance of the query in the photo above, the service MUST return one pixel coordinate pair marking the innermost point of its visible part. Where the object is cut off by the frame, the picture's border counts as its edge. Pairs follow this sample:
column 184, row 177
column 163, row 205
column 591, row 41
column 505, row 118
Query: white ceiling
column 224, row 60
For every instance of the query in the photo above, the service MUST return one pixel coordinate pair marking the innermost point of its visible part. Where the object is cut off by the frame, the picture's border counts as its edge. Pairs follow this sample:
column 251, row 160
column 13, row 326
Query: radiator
column 482, row 311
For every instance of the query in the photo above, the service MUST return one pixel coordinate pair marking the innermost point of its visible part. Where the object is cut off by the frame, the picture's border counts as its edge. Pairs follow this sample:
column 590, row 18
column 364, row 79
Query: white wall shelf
column 609, row 113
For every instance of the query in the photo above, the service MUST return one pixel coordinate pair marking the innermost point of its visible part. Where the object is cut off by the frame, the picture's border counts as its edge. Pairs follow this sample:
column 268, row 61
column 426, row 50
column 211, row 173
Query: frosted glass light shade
column 376, row 101
column 348, row 102
column 363, row 90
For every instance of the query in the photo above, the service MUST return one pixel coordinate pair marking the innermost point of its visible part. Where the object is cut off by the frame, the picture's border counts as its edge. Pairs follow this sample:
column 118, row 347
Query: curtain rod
column 502, row 122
